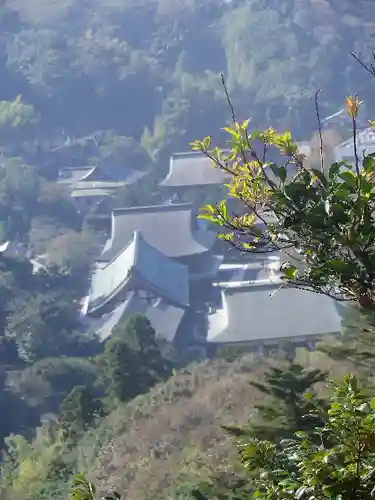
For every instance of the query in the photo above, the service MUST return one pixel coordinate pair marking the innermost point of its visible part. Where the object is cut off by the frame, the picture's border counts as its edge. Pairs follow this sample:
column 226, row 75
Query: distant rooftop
column 71, row 175
column 139, row 266
column 257, row 313
column 91, row 192
column 97, row 178
column 164, row 317
column 193, row 169
column 171, row 229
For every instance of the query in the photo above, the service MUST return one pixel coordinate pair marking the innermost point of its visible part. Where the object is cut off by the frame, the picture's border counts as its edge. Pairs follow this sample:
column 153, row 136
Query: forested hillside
column 149, row 70
column 123, row 84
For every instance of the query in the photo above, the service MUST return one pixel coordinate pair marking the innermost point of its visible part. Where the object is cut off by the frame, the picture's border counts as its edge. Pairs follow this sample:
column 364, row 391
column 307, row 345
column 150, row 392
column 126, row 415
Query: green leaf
column 372, row 404
column 222, row 209
column 290, row 273
column 279, row 172
column 320, row 175
column 208, row 208
column 336, row 406
column 349, row 178
column 334, row 169
column 82, row 489
column 206, row 143
column 196, row 145
column 368, row 163
column 366, row 186
column 282, row 173
column 337, row 265
column 212, row 218
column 231, row 131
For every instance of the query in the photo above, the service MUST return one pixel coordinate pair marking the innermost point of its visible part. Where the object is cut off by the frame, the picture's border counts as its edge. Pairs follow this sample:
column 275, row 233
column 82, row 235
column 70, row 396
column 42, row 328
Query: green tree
column 138, row 332
column 120, row 369
column 83, row 489
column 284, row 409
column 132, row 360
column 335, row 459
column 78, row 411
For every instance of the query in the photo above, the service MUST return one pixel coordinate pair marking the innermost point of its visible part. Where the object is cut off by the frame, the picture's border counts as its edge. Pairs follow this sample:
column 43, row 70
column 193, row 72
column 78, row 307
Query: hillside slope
column 172, row 435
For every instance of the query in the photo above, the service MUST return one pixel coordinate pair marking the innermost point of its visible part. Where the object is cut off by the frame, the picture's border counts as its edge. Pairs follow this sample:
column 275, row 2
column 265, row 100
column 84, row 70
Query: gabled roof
column 193, row 169
column 139, row 266
column 71, row 175
column 168, row 228
column 97, row 178
column 364, row 137
column 164, row 317
column 255, row 314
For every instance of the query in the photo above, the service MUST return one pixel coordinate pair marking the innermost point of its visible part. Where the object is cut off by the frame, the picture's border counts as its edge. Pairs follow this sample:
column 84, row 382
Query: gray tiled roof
column 139, row 266
column 72, row 175
column 164, row 317
column 91, row 192
column 250, row 314
column 193, row 169
column 208, row 266
column 168, row 228
column 95, row 178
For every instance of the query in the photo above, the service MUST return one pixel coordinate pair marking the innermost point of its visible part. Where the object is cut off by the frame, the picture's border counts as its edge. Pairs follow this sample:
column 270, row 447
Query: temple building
column 263, row 314
column 158, row 261
column 163, row 262
column 365, row 146
column 193, row 169
column 139, row 279
column 255, row 307
column 139, row 266
column 91, row 185
column 171, row 229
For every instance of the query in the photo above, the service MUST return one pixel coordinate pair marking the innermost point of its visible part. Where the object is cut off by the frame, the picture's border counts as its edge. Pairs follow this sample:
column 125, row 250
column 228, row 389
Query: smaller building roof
column 97, row 178
column 193, row 169
column 171, row 229
column 139, row 266
column 164, row 317
column 257, row 313
column 91, row 193
column 71, row 175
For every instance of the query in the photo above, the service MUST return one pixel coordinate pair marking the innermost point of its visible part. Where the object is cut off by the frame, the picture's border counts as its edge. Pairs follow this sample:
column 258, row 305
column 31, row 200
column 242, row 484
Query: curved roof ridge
column 90, row 172
column 131, row 242
column 193, row 168
column 168, row 228
column 154, row 208
column 143, row 266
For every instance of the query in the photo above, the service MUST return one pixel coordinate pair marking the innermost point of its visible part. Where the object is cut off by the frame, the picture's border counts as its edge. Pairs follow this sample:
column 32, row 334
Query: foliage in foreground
column 334, row 459
column 321, row 218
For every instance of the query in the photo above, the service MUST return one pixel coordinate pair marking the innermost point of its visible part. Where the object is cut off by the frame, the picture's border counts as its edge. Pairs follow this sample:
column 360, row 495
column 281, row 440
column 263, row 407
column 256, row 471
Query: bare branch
column 370, row 68
column 355, row 145
column 319, row 129
column 228, row 98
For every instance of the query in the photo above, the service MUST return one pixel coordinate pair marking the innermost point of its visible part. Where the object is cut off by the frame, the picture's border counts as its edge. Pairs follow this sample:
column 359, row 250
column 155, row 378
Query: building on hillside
column 171, row 229
column 167, row 319
column 138, row 267
column 193, row 169
column 139, row 279
column 365, row 146
column 261, row 311
column 89, row 186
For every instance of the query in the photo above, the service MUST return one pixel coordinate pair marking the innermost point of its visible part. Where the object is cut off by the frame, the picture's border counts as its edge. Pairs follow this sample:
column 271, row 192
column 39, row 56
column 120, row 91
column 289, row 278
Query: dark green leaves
column 322, row 462
column 82, row 489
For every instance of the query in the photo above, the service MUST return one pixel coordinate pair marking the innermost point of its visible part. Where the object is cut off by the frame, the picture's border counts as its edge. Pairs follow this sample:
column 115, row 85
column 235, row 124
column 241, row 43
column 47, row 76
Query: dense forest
column 123, row 84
